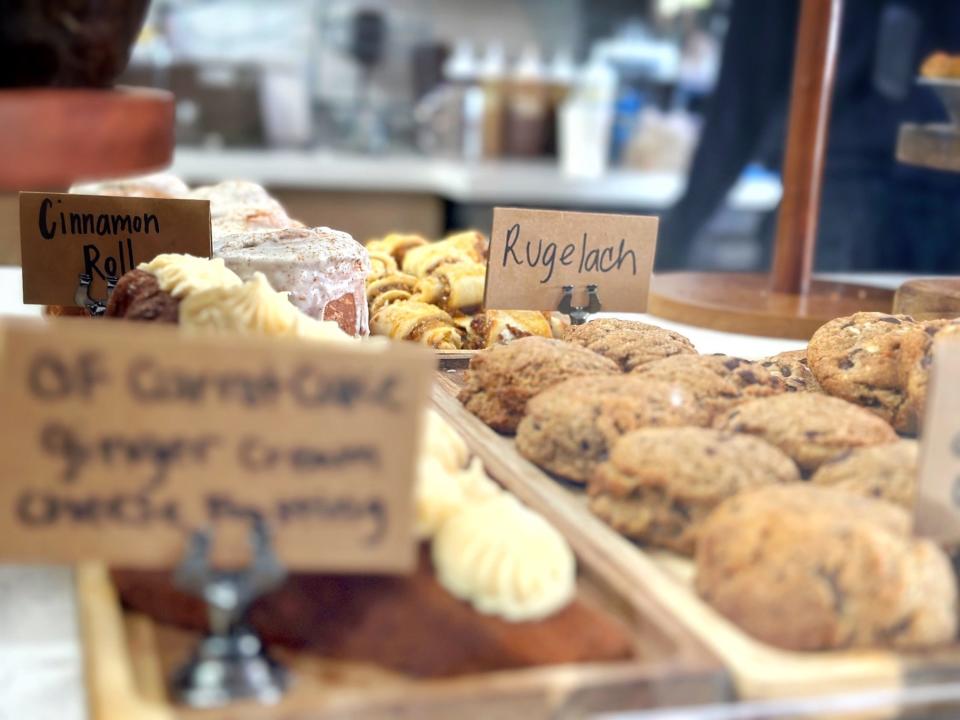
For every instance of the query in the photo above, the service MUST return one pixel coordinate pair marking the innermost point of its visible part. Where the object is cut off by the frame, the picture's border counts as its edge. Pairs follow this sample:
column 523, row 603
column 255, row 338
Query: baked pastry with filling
column 468, row 247
column 457, row 288
column 495, row 327
column 237, row 206
column 157, row 185
column 418, row 322
column 323, row 270
column 396, row 245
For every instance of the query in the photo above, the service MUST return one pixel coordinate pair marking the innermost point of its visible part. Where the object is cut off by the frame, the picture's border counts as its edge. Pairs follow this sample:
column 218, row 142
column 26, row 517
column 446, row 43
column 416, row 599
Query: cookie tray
column 758, row 671
column 129, row 658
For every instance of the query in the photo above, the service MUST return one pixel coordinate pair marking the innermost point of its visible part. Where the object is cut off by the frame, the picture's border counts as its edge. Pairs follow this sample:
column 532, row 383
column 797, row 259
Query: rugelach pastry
column 417, row 322
column 468, row 247
column 495, row 327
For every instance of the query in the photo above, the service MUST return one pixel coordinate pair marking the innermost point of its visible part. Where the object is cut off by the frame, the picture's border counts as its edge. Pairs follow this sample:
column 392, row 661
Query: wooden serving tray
column 759, row 671
column 129, row 658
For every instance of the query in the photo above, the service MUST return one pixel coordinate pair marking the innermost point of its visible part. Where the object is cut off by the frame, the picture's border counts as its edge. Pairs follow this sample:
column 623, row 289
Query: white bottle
column 586, row 121
column 462, row 72
column 493, row 82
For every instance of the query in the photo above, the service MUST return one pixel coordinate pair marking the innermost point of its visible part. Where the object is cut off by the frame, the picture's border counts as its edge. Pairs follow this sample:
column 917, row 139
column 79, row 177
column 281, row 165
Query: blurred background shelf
column 518, row 182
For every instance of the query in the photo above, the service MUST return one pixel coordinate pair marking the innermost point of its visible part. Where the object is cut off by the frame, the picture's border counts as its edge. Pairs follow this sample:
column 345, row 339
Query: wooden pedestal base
column 52, row 137
column 743, row 303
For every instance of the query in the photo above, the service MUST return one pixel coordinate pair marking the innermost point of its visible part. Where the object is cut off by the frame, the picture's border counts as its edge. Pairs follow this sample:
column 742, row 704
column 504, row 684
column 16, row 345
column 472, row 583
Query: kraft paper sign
column 534, row 253
column 938, row 496
column 120, row 439
column 64, row 235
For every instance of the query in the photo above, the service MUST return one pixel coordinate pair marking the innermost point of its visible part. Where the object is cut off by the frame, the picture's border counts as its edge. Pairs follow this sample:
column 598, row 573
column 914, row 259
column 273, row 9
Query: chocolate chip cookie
column 916, row 359
column 717, row 381
column 794, row 370
column 659, row 484
column 629, row 344
column 886, row 471
column 857, row 358
column 570, row 427
column 809, row 427
column 503, row 378
column 804, row 567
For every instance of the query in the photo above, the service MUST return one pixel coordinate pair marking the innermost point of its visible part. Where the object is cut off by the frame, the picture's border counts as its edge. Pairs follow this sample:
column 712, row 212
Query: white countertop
column 505, row 182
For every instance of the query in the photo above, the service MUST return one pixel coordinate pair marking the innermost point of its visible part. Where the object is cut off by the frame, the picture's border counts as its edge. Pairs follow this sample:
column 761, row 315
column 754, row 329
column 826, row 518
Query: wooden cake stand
column 787, row 302
column 53, row 137
column 936, row 147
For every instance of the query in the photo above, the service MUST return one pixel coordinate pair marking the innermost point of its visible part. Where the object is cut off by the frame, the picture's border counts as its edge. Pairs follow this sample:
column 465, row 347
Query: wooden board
column 129, row 658
column 759, row 671
column 744, row 303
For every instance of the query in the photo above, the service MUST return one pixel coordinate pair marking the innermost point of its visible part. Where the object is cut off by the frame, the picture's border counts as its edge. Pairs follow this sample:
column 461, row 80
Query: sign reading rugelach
column 534, row 253
column 63, row 236
column 121, row 438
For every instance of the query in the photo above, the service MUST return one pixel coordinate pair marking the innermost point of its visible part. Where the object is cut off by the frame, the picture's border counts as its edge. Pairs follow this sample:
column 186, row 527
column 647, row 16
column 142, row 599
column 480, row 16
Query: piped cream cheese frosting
column 506, row 560
column 252, row 307
column 443, row 443
column 183, row 275
column 442, row 493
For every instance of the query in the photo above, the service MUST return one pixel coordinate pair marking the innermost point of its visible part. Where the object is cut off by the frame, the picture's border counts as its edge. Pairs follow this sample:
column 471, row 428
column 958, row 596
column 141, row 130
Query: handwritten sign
column 937, row 510
column 64, row 235
column 120, row 439
column 534, row 253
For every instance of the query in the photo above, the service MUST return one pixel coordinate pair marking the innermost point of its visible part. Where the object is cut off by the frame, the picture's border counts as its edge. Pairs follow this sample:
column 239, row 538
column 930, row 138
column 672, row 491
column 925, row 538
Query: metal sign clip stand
column 230, row 663
column 579, row 313
column 81, row 295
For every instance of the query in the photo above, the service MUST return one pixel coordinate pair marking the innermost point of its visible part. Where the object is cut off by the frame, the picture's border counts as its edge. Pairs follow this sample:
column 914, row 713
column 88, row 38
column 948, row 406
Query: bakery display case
column 633, row 516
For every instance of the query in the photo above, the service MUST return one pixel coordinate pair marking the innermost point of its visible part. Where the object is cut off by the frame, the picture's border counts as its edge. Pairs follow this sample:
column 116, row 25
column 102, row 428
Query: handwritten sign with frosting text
column 121, row 438
column 63, row 235
column 938, row 495
column 534, row 253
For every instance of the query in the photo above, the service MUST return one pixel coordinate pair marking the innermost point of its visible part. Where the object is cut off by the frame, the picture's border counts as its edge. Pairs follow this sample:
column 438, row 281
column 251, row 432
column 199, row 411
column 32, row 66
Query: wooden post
column 814, row 68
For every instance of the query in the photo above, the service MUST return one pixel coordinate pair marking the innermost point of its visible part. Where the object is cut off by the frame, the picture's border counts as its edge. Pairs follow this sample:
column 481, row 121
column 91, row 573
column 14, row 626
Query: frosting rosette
column 183, row 275
column 442, row 493
column 505, row 560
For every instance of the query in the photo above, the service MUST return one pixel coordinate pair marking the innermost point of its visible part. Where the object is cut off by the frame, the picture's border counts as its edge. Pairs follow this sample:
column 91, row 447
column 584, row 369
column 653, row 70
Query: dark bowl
column 67, row 43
